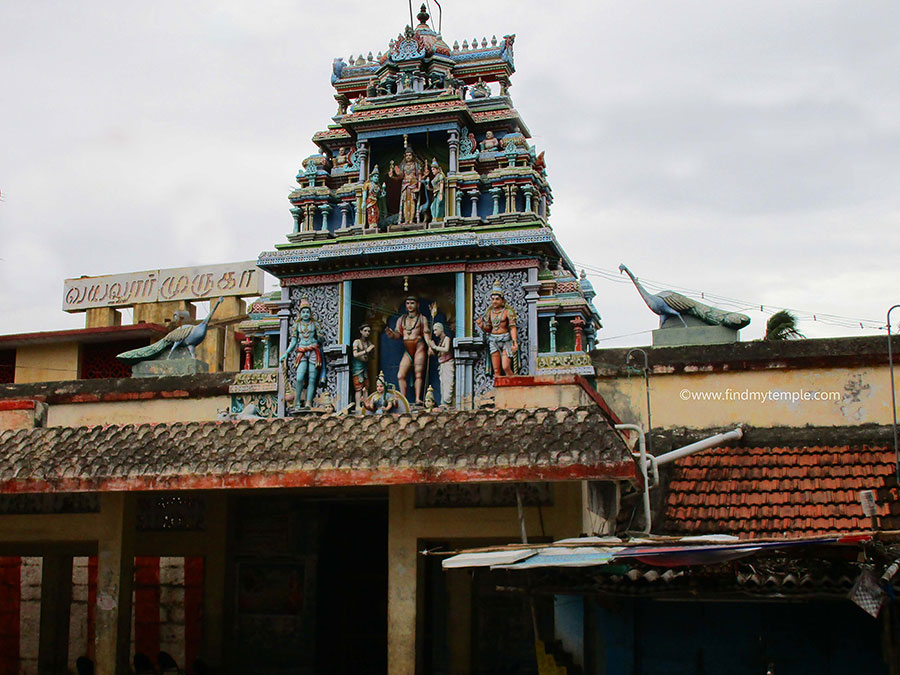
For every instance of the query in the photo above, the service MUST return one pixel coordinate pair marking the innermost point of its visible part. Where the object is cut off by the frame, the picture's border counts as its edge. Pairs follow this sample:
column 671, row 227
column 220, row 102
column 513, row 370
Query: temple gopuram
column 424, row 201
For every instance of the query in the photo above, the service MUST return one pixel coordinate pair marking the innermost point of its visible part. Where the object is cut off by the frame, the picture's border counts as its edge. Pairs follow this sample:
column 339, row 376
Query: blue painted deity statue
column 437, row 191
column 306, row 342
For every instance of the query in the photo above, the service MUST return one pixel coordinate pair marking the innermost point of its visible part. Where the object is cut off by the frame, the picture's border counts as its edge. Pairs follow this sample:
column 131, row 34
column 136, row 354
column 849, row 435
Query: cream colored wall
column 46, row 363
column 407, row 525
column 136, row 412
column 864, row 396
column 553, row 396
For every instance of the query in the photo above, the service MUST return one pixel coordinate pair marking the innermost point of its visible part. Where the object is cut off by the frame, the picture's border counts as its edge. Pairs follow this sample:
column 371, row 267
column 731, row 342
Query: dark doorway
column 352, row 581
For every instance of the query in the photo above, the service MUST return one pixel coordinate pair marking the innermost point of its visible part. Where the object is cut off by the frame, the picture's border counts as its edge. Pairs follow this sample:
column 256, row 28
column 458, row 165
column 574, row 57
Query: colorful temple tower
column 425, row 204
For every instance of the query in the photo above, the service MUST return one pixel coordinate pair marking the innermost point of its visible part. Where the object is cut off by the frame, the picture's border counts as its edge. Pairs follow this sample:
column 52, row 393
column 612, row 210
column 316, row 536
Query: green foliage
column 782, row 325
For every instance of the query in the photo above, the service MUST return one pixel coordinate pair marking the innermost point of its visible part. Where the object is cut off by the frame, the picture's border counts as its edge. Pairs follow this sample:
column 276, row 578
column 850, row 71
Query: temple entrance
column 309, row 584
column 381, row 304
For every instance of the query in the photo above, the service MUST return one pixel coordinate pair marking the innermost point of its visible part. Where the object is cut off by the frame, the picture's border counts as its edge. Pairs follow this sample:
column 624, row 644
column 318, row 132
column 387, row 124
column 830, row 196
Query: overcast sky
column 749, row 150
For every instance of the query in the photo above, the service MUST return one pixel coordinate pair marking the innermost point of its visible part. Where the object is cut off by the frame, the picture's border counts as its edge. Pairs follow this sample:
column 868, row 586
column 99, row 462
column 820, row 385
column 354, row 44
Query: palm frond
column 782, row 325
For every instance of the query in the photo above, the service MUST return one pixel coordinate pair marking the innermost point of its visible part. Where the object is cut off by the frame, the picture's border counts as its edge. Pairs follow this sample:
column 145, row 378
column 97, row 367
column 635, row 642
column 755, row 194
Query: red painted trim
column 87, row 334
column 555, row 381
column 331, row 478
column 146, row 605
column 193, row 610
column 17, row 405
column 10, row 606
column 92, row 605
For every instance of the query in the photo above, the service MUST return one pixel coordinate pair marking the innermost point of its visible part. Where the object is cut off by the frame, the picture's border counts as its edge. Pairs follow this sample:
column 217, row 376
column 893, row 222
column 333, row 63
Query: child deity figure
column 359, row 366
column 499, row 322
column 306, row 342
column 383, row 400
column 443, row 347
column 415, row 332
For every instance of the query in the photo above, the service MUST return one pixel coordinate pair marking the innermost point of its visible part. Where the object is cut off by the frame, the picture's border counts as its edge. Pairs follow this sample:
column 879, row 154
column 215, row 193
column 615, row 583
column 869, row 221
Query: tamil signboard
column 182, row 283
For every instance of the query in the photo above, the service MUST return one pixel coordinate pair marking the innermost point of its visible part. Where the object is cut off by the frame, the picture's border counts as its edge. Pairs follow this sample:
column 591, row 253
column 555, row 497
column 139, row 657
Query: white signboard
column 183, row 283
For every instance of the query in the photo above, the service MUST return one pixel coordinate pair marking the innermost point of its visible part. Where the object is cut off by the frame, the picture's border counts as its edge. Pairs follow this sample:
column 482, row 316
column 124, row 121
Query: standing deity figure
column 306, row 342
column 499, row 322
column 374, row 198
column 437, row 192
column 409, row 171
column 359, row 366
column 443, row 347
column 413, row 329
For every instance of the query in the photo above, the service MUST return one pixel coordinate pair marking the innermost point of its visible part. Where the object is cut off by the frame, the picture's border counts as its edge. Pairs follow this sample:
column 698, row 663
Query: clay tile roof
column 773, row 491
column 484, row 445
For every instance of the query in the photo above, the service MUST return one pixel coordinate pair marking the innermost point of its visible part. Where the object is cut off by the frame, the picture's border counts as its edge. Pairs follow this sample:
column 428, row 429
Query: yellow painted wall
column 47, row 363
column 863, row 396
column 136, row 412
column 407, row 525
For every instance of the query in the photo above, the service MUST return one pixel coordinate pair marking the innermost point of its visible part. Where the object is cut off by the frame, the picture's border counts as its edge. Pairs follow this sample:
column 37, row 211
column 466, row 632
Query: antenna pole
column 411, row 24
column 440, row 16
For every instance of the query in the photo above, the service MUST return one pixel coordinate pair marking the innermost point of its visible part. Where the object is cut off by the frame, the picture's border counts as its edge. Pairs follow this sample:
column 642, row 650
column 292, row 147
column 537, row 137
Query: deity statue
column 341, row 160
column 481, row 89
column 409, row 171
column 443, row 347
column 490, row 143
column 374, row 198
column 384, row 400
column 413, row 329
column 437, row 190
column 359, row 367
column 499, row 322
column 306, row 341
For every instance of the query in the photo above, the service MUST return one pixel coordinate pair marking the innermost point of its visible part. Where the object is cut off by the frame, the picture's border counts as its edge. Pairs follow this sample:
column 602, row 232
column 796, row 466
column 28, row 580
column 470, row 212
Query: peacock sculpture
column 187, row 335
column 667, row 304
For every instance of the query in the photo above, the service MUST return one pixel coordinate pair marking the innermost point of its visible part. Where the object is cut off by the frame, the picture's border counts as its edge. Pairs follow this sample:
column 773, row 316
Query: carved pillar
column 511, row 198
column 453, row 142
column 578, row 324
column 309, row 217
column 362, row 148
column 361, row 206
column 531, row 297
column 247, row 344
column 544, row 206
column 345, row 210
column 465, row 351
column 528, row 189
column 338, row 359
column 297, row 214
column 325, row 210
column 495, row 195
column 473, row 195
column 346, row 302
column 459, row 198
column 554, row 324
column 284, row 316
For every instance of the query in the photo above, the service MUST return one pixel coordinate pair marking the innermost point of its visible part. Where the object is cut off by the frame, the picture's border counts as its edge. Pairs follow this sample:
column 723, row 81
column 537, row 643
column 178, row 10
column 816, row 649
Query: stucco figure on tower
column 413, row 329
column 499, row 323
column 306, row 343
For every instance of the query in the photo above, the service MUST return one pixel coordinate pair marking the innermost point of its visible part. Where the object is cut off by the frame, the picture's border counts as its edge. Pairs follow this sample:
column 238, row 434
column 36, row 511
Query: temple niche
column 420, row 238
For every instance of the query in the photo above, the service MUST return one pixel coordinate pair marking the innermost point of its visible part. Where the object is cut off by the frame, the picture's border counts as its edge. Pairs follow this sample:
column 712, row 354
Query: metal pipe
column 521, row 508
column 893, row 395
column 643, row 463
column 647, row 389
column 710, row 442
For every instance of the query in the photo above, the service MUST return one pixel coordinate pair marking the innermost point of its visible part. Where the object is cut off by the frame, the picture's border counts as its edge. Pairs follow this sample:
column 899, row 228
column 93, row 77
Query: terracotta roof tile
column 484, row 445
column 769, row 491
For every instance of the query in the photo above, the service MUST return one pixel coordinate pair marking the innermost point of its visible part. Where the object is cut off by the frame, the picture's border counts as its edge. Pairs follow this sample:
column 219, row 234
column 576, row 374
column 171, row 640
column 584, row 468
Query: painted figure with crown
column 499, row 323
column 306, row 344
column 410, row 172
